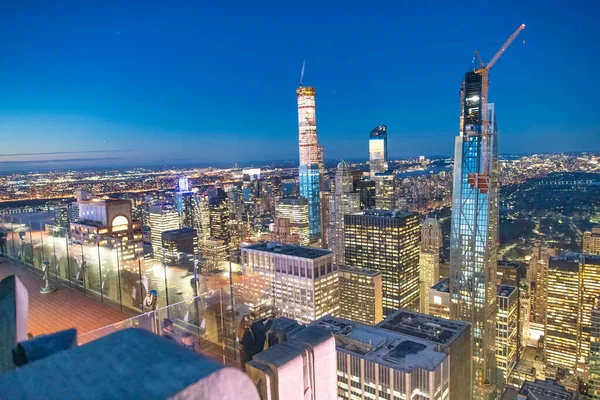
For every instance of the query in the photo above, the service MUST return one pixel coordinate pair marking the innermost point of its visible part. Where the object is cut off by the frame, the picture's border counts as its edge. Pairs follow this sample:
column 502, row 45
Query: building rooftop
column 442, row 286
column 545, row 390
column 292, row 200
column 505, row 290
column 433, row 329
column 289, row 250
column 384, row 213
column 570, row 260
column 181, row 231
column 509, row 394
column 508, row 264
column 88, row 222
column 360, row 271
column 379, row 132
column 395, row 350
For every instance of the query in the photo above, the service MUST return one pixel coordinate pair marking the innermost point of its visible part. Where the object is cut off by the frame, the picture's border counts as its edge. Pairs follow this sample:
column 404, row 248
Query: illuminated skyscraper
column 178, row 244
column 594, row 360
column 366, row 192
column 185, row 203
column 429, row 259
column 562, row 327
column 507, row 329
column 474, row 232
column 573, row 286
column 589, row 277
column 386, row 241
column 215, row 253
column 219, row 216
column 161, row 218
column 343, row 201
column 360, row 295
column 378, row 150
column 295, row 211
column 385, row 191
column 309, row 172
column 304, row 281
column 591, row 241
column 538, row 275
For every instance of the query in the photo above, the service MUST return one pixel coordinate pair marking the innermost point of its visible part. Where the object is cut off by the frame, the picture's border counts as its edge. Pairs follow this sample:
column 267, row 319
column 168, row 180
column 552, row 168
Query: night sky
column 209, row 81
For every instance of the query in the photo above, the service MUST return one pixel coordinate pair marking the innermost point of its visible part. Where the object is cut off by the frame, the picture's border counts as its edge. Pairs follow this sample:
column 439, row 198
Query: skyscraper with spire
column 474, row 232
column 309, row 172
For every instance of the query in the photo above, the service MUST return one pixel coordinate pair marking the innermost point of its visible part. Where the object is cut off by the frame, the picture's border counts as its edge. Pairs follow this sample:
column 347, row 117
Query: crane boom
column 482, row 180
column 479, row 58
column 302, row 73
column 505, row 46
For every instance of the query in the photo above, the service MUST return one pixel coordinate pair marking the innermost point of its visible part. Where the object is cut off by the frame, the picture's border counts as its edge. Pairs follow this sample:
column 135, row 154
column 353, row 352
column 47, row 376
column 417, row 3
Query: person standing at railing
column 253, row 340
column 168, row 329
column 188, row 341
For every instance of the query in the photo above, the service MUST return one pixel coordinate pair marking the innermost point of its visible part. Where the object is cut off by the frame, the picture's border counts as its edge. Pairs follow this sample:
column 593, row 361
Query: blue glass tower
column 309, row 179
column 474, row 232
column 309, row 173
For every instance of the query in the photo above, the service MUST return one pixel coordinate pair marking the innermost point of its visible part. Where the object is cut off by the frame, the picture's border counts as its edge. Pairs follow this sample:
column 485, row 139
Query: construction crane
column 482, row 180
column 302, row 74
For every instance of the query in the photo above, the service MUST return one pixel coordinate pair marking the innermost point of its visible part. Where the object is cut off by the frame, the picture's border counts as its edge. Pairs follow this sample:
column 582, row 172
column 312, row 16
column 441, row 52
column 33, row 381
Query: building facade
column 386, row 241
column 591, row 241
column 309, row 173
column 284, row 372
column 573, row 287
column 343, row 201
column 594, row 359
column 218, row 208
column 378, row 150
column 439, row 299
column 360, row 295
column 400, row 360
column 181, row 243
column 215, row 253
column 474, row 232
column 304, row 280
column 562, row 321
column 385, row 191
column 161, row 218
column 507, row 329
column 184, row 199
column 589, row 277
column 429, row 259
column 109, row 224
column 295, row 210
column 538, row 275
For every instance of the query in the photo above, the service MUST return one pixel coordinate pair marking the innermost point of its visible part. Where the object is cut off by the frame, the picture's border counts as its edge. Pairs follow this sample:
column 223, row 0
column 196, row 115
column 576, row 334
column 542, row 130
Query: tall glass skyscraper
column 343, row 201
column 184, row 199
column 474, row 233
column 309, row 173
column 378, row 150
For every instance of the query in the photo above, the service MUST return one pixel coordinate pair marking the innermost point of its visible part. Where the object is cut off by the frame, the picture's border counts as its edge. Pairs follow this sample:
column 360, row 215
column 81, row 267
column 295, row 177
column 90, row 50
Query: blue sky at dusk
column 207, row 81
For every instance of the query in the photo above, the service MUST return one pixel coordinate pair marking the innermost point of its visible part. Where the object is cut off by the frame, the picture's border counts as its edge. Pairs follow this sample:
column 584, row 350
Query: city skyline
column 94, row 94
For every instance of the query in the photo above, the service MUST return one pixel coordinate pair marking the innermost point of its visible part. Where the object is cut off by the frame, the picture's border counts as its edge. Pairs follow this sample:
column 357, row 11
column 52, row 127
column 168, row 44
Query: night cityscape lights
column 474, row 276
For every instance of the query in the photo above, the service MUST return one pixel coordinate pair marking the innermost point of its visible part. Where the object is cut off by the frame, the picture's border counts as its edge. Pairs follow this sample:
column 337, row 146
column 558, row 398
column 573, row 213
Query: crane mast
column 482, row 180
